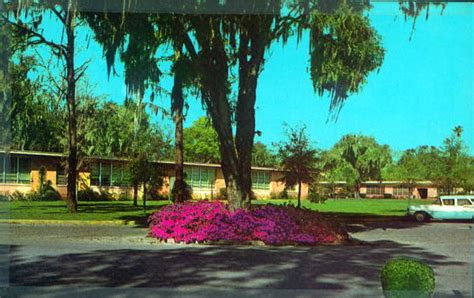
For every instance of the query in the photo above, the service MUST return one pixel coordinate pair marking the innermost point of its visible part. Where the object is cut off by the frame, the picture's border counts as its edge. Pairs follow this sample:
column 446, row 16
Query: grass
column 56, row 210
column 356, row 207
column 124, row 210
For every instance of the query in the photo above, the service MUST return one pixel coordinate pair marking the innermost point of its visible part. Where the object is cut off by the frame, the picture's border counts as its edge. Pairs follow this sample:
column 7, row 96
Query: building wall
column 276, row 186
column 432, row 192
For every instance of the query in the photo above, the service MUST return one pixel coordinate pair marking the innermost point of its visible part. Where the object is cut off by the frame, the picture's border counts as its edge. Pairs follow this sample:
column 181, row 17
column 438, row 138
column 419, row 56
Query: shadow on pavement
column 221, row 267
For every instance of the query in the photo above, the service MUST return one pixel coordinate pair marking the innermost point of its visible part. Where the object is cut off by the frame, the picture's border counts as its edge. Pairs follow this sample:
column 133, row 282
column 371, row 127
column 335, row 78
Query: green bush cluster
column 44, row 195
column 186, row 192
column 283, row 195
column 403, row 277
column 91, row 195
column 315, row 197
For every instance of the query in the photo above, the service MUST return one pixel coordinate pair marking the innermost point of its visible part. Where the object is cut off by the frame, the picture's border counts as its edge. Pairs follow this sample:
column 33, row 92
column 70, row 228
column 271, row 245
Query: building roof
column 165, row 162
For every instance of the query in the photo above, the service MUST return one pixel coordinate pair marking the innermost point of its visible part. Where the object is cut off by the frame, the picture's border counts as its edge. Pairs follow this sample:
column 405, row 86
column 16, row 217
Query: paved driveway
column 118, row 260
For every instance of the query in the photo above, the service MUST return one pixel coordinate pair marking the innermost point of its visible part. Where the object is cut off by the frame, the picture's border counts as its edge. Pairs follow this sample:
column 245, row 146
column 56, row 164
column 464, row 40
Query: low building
column 20, row 171
column 399, row 189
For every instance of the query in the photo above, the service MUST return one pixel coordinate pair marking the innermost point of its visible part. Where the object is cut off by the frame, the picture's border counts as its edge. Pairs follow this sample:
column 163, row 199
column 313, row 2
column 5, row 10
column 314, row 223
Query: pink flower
column 211, row 221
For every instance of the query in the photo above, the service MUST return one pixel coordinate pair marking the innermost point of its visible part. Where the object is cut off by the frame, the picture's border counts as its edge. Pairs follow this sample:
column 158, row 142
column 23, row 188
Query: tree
column 344, row 49
column 362, row 157
column 298, row 160
column 5, row 90
column 25, row 21
column 262, row 156
column 36, row 118
column 456, row 162
column 215, row 42
column 144, row 172
column 201, row 143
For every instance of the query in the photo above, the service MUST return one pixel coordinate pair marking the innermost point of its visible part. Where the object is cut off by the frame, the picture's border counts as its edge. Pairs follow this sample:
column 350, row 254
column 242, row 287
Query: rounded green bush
column 402, row 277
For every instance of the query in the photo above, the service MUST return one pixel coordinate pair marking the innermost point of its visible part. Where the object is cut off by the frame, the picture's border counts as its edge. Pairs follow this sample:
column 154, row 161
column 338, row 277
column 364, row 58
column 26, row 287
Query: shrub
column 89, row 194
column 402, row 277
column 47, row 194
column 283, row 195
column 125, row 196
column 388, row 196
column 4, row 196
column 314, row 197
column 222, row 194
column 186, row 192
column 344, row 193
column 17, row 196
column 211, row 221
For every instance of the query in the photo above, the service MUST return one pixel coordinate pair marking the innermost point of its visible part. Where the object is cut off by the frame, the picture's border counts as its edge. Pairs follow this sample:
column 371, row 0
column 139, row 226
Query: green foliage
column 319, row 194
column 222, row 194
column 282, row 195
column 37, row 119
column 109, row 129
column 185, row 192
column 298, row 159
column 49, row 194
column 402, row 277
column 422, row 163
column 448, row 166
column 90, row 195
column 356, row 158
column 262, row 156
column 344, row 50
column 200, row 142
column 144, row 172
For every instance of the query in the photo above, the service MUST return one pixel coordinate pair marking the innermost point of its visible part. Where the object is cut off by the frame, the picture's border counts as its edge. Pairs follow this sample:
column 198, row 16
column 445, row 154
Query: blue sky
column 423, row 89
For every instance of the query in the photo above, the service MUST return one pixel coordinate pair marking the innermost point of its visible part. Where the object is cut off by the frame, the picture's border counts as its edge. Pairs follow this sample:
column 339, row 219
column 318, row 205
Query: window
column 464, row 202
column 260, row 180
column 401, row 192
column 375, row 190
column 448, row 202
column 109, row 174
column 198, row 177
column 61, row 175
column 16, row 170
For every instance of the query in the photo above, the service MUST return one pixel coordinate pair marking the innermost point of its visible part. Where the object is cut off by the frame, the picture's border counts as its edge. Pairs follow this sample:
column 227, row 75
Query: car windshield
column 437, row 202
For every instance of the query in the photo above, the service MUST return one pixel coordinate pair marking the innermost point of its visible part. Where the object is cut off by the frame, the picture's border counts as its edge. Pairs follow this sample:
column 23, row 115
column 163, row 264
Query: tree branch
column 59, row 15
column 60, row 49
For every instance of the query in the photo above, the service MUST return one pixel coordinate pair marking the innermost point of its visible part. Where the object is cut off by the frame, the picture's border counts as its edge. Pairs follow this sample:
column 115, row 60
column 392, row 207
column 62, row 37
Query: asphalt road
column 92, row 261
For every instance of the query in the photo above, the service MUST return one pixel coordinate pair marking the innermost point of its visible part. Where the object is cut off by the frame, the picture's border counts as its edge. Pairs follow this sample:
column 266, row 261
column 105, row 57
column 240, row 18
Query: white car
column 446, row 207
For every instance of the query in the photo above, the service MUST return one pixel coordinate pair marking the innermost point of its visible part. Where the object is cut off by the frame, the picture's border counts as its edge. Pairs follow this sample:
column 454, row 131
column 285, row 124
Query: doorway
column 423, row 192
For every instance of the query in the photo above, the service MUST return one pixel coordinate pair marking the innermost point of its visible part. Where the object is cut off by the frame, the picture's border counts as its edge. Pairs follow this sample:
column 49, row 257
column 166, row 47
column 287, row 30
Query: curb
column 69, row 222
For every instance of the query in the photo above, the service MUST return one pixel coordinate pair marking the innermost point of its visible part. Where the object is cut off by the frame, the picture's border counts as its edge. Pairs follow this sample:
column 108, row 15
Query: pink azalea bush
column 205, row 221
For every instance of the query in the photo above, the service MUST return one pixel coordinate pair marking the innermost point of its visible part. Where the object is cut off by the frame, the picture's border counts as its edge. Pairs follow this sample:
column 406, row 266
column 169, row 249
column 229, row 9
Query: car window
column 437, row 202
column 464, row 202
column 448, row 202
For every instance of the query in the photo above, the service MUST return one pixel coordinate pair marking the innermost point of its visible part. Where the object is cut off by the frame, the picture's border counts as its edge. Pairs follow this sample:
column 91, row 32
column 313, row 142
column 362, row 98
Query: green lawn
column 116, row 210
column 124, row 210
column 357, row 207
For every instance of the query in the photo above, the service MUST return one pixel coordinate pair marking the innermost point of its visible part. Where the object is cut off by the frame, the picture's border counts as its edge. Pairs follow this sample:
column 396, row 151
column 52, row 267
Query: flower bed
column 207, row 221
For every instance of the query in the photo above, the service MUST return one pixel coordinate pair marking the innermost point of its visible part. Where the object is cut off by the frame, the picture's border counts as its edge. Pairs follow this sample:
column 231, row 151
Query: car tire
column 421, row 217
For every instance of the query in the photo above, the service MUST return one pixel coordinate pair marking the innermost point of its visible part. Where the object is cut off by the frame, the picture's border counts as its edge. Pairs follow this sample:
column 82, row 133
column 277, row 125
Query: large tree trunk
column 299, row 193
column 135, row 195
column 71, row 199
column 213, row 66
column 177, row 103
column 251, row 51
column 144, row 196
column 213, row 63
column 357, row 191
